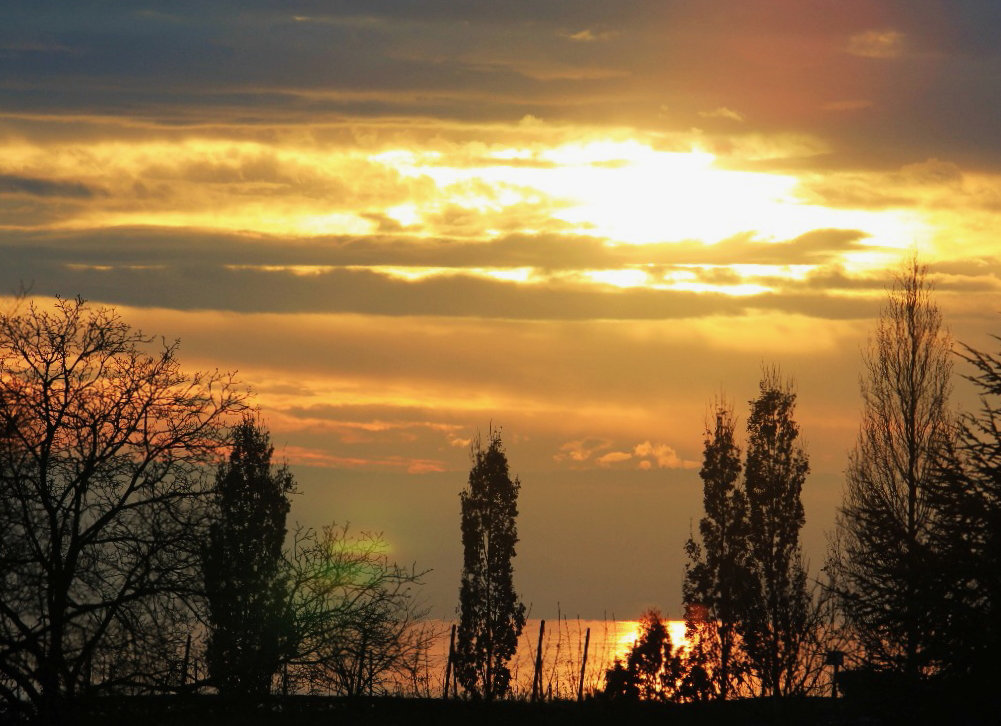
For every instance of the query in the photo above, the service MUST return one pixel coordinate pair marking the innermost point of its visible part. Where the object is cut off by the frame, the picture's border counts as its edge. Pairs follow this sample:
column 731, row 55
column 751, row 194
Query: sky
column 581, row 222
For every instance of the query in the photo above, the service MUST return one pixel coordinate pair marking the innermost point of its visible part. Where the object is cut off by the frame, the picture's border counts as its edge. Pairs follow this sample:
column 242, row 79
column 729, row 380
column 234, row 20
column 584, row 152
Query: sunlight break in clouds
column 629, row 192
column 611, row 188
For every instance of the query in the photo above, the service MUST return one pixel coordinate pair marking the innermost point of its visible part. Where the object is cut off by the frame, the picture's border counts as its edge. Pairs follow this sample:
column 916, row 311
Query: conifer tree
column 491, row 616
column 242, row 564
column 966, row 541
column 716, row 577
column 773, row 624
column 653, row 669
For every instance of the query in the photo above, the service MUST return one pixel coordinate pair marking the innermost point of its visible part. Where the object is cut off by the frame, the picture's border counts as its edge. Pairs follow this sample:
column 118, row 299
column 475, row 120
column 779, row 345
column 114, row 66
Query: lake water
column 562, row 654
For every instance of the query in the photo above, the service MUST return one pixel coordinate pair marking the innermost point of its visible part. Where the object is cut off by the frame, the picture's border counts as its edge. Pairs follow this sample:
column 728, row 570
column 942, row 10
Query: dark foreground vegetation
column 928, row 705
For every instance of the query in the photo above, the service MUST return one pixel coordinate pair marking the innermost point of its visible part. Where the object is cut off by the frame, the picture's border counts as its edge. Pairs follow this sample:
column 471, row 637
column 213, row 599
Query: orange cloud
column 581, row 450
column 876, row 44
column 613, row 457
column 724, row 113
column 663, row 455
column 304, row 456
column 646, row 455
column 590, row 36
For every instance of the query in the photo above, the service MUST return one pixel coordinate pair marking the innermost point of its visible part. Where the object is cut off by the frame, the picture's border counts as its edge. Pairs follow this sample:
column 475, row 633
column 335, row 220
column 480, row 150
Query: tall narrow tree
column 716, row 577
column 491, row 617
column 773, row 626
column 882, row 545
column 243, row 565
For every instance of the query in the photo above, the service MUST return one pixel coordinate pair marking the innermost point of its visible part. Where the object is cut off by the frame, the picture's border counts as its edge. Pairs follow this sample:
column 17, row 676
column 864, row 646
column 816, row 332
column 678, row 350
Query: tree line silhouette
column 125, row 563
column 144, row 543
column 911, row 586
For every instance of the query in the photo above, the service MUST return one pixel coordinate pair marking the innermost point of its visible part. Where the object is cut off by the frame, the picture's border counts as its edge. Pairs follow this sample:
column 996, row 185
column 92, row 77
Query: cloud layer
column 405, row 222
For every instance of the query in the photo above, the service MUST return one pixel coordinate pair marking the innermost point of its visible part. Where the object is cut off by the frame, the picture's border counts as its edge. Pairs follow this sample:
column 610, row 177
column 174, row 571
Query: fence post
column 583, row 666
column 448, row 666
column 537, row 679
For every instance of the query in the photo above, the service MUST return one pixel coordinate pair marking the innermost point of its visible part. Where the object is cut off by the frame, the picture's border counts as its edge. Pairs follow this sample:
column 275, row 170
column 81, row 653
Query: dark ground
column 930, row 708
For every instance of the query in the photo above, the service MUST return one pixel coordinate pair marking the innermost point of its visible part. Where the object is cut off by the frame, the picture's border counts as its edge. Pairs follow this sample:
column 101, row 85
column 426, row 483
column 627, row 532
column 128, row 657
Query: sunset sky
column 579, row 220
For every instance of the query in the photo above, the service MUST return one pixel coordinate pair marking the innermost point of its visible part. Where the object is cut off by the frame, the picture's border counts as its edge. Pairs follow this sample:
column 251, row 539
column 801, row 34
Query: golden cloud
column 724, row 113
column 876, row 44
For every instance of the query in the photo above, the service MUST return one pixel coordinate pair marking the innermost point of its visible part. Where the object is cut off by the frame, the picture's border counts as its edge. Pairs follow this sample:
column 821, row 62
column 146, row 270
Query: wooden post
column 359, row 684
column 448, row 666
column 537, row 679
column 583, row 666
column 184, row 663
column 835, row 658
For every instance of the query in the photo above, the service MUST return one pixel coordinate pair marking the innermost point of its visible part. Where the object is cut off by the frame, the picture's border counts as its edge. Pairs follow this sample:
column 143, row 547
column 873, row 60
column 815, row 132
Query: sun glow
column 629, row 631
column 619, row 278
column 651, row 196
column 516, row 274
column 620, row 191
column 628, row 191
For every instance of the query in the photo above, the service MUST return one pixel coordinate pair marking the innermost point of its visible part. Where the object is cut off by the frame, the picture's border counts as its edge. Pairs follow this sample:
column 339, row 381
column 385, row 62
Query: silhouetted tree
column 104, row 447
column 620, row 684
column 965, row 542
column 244, row 583
column 717, row 580
column 652, row 671
column 881, row 557
column 490, row 615
column 700, row 661
column 774, row 623
column 355, row 618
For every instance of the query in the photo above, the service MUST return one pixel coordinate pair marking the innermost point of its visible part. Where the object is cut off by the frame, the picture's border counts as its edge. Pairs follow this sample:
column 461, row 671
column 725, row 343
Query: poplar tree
column 883, row 547
column 491, row 616
column 716, row 577
column 774, row 623
column 243, row 565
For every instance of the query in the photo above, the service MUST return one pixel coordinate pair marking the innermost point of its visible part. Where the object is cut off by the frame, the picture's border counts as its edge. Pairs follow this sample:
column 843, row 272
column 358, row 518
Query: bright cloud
column 664, row 456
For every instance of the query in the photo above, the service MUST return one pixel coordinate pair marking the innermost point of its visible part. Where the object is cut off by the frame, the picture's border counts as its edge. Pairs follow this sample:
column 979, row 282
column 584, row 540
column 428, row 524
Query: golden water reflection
column 562, row 653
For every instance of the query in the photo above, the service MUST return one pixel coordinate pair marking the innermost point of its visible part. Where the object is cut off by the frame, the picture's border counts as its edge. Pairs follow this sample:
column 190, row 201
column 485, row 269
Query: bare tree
column 881, row 562
column 104, row 450
column 354, row 617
